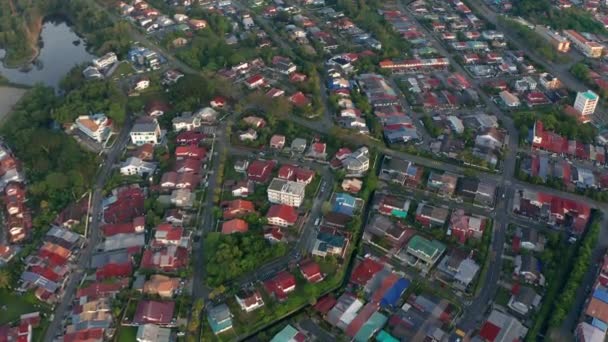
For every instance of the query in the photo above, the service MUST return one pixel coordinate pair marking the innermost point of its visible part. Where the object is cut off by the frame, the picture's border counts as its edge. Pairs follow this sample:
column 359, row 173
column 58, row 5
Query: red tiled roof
column 311, row 271
column 117, row 228
column 284, row 212
column 84, row 335
column 191, row 151
column 325, row 304
column 235, row 226
column 155, row 312
column 260, row 171
column 287, row 172
column 189, row 137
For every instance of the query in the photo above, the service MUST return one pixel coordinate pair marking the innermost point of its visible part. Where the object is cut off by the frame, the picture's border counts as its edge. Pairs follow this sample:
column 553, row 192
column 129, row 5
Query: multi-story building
column 96, row 127
column 146, row 131
column 281, row 191
column 559, row 42
column 105, row 60
column 585, row 102
column 588, row 47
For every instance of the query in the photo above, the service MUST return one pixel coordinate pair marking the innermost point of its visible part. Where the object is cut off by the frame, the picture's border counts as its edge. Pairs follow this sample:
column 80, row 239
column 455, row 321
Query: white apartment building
column 105, row 60
column 146, row 131
column 96, row 127
column 585, row 102
column 286, row 192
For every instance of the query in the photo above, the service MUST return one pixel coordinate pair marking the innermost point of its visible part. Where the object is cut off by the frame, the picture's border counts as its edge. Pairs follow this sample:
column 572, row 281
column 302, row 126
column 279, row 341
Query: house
column 524, row 300
column 135, row 166
column 357, row 162
column 248, row 135
column 529, row 239
column 282, row 215
column 289, row 333
column 237, row 208
column 431, row 216
column 443, row 183
column 188, row 165
column 299, row 99
column 394, row 206
column 330, row 243
column 183, row 198
column 423, row 253
column 242, row 189
column 166, row 234
column 186, row 122
column 154, row 312
column 344, row 311
column 156, row 108
column 146, row 130
column 501, row 327
column 400, row 171
column 219, row 318
column 273, row 234
column 457, row 269
column 105, row 61
column 277, row 141
column 141, row 84
column 249, row 300
column 298, row 145
column 491, row 138
column 254, row 121
column 163, row 286
column 259, row 171
column 235, row 226
column 464, row 226
column 218, row 102
column 255, row 81
column 144, row 152
column 311, row 271
column 207, row 115
column 197, row 24
column 190, row 151
column 281, row 191
column 352, row 185
column 152, row 333
column 318, row 150
column 281, row 285
column 96, row 127
column 528, row 268
column 166, row 259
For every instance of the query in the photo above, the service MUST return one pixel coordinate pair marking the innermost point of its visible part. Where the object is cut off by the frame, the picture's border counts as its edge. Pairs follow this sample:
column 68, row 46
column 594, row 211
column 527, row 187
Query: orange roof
column 235, row 226
column 56, row 249
column 597, row 309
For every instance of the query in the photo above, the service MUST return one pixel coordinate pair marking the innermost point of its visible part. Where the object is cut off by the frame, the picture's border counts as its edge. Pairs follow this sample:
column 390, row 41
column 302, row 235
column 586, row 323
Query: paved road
column 56, row 326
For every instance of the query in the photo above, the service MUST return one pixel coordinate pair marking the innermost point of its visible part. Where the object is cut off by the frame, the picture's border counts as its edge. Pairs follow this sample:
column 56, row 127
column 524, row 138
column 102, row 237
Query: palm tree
column 5, row 279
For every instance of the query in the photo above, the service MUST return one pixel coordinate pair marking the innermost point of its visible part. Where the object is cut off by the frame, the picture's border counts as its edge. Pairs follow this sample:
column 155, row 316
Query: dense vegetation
column 556, row 121
column 582, row 262
column 541, row 45
column 57, row 169
column 231, row 256
column 543, row 13
column 21, row 21
column 365, row 14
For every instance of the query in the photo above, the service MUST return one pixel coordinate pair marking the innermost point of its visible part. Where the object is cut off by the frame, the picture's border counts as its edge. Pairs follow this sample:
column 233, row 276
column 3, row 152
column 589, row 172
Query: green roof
column 590, row 95
column 285, row 335
column 383, row 336
column 426, row 246
column 373, row 324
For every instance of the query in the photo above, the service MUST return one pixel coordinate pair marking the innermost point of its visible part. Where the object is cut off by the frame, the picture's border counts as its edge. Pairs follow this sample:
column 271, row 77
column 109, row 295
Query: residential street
column 95, row 213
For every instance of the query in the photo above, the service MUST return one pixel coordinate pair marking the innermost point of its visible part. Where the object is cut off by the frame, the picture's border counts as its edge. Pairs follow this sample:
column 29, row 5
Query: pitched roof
column 284, row 212
column 235, row 226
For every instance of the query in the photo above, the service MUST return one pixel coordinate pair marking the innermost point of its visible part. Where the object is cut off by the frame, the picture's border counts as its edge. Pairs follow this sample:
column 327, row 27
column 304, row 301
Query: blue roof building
column 391, row 297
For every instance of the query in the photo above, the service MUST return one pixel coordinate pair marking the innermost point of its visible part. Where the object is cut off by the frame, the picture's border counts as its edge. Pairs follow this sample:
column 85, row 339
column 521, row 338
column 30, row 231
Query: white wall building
column 96, row 127
column 286, row 192
column 585, row 102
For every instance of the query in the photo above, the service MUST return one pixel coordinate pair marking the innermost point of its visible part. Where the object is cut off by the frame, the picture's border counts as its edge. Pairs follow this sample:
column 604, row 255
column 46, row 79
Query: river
column 58, row 54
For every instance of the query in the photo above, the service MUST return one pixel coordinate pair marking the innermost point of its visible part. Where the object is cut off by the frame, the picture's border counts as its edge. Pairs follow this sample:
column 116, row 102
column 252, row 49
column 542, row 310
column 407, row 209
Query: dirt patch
column 9, row 96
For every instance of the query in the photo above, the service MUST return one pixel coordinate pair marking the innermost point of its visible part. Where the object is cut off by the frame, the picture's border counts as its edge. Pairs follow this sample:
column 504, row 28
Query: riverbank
column 9, row 96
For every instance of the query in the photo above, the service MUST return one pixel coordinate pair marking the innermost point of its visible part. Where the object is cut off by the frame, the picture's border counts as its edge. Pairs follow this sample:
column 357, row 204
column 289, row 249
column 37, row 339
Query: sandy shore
column 9, row 96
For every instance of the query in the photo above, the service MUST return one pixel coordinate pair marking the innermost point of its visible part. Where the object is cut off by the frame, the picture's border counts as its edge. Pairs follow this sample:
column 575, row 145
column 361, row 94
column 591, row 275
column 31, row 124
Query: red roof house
column 282, row 215
column 311, row 271
column 281, row 285
column 235, row 226
column 154, row 312
column 260, row 170
column 237, row 208
column 365, row 270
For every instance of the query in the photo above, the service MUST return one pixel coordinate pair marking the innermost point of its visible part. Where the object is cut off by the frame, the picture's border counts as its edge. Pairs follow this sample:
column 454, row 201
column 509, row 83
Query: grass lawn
column 124, row 68
column 12, row 306
column 127, row 334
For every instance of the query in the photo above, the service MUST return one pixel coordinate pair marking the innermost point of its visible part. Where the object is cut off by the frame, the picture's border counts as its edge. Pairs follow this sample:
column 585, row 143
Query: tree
column 5, row 279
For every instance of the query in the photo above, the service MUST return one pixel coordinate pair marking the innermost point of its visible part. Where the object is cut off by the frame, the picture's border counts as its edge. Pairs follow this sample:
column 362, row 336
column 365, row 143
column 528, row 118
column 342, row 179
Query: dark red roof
column 117, row 228
column 260, row 170
column 189, row 137
column 325, row 304
column 284, row 212
column 489, row 331
column 311, row 271
column 155, row 312
column 102, row 289
column 114, row 271
column 365, row 270
column 282, row 282
column 191, row 151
